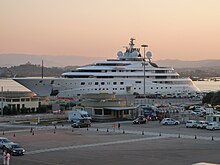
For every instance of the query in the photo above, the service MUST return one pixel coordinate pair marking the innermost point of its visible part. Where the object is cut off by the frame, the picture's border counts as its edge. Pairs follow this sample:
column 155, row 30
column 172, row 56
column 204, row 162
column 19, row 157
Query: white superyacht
column 130, row 73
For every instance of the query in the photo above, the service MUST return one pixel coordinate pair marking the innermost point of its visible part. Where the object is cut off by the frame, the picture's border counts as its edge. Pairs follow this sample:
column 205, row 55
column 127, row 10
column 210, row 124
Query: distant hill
column 33, row 70
column 7, row 60
column 188, row 64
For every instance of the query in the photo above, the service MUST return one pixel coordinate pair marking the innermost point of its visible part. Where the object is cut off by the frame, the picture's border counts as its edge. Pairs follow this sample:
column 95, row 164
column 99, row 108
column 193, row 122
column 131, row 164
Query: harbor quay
column 150, row 143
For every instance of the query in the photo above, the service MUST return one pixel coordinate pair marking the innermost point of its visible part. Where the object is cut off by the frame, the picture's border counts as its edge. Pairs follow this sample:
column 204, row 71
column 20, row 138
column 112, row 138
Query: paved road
column 132, row 144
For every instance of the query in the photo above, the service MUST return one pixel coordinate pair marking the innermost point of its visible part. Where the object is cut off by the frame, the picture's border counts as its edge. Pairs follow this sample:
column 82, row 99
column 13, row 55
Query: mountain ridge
column 10, row 59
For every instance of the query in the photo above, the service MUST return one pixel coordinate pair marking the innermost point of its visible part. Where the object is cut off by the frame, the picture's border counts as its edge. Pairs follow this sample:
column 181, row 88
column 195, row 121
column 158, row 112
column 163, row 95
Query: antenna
column 42, row 69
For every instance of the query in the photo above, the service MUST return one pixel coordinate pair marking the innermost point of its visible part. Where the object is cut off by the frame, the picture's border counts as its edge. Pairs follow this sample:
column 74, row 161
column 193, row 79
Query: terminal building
column 105, row 107
column 21, row 99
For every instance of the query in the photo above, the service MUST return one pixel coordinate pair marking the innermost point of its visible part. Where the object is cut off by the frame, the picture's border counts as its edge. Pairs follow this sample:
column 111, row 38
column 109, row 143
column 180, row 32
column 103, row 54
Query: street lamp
column 144, row 46
column 2, row 112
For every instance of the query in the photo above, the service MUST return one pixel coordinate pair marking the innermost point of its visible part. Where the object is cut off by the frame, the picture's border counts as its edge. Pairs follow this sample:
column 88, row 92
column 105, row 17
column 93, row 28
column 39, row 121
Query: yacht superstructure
column 124, row 75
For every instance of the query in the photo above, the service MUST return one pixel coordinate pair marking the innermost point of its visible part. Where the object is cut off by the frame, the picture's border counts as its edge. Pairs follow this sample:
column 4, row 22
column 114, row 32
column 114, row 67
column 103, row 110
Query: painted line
column 155, row 134
column 92, row 145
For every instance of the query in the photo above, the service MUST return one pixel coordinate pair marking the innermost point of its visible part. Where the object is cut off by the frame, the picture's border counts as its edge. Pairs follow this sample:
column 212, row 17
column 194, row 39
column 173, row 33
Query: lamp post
column 144, row 46
column 2, row 101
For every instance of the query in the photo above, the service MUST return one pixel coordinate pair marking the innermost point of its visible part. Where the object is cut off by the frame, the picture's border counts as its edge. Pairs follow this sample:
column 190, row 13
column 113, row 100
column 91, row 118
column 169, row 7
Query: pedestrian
column 119, row 125
column 8, row 158
column 4, row 157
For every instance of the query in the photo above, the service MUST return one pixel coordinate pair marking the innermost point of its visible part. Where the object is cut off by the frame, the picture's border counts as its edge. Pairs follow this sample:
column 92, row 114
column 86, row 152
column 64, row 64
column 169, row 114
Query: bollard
column 4, row 158
column 212, row 138
column 107, row 130
column 195, row 137
column 123, row 132
column 55, row 127
column 160, row 134
column 72, row 130
column 179, row 136
column 8, row 158
column 142, row 132
column 14, row 135
column 32, row 132
column 97, row 129
column 54, row 131
column 3, row 133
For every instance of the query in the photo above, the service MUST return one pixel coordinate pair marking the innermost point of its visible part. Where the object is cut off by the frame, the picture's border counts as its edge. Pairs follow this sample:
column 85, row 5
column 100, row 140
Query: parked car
column 202, row 124
column 189, row 112
column 213, row 126
column 14, row 149
column 140, row 120
column 81, row 123
column 169, row 121
column 191, row 124
column 3, row 141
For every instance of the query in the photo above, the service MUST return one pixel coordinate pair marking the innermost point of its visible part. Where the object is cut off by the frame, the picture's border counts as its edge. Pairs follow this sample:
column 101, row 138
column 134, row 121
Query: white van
column 213, row 126
column 191, row 124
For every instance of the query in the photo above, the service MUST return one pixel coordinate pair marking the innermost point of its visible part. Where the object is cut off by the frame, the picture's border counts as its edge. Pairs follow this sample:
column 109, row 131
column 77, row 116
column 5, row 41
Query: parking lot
column 149, row 143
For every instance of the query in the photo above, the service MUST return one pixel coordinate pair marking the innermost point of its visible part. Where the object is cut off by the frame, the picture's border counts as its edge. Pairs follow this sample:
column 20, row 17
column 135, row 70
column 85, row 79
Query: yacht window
column 90, row 83
column 138, row 82
column 102, row 83
column 114, row 83
column 82, row 83
column 113, row 70
column 121, row 83
column 108, row 83
column 96, row 83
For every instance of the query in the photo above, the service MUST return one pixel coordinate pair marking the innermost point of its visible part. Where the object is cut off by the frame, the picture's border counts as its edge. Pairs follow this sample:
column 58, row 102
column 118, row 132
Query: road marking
column 92, row 145
column 156, row 134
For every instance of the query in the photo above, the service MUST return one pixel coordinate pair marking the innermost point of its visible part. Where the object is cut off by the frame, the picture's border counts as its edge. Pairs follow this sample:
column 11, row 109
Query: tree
column 212, row 98
column 208, row 97
column 216, row 99
column 7, row 110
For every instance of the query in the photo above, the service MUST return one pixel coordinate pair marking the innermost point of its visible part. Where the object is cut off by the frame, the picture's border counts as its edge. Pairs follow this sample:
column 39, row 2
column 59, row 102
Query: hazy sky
column 173, row 29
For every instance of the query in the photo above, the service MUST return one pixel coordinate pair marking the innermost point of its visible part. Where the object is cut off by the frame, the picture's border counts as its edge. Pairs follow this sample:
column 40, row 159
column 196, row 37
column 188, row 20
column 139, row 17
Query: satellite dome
column 120, row 54
column 149, row 55
column 135, row 53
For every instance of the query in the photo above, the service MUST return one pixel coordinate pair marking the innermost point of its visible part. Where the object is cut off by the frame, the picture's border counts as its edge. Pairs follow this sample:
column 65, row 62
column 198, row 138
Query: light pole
column 2, row 101
column 144, row 46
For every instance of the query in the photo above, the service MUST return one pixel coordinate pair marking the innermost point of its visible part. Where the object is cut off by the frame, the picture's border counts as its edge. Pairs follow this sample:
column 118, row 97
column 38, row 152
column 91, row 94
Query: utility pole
column 144, row 46
column 42, row 69
column 2, row 102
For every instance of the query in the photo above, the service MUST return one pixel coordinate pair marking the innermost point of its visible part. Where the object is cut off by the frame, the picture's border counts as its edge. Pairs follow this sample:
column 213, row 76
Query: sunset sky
column 173, row 29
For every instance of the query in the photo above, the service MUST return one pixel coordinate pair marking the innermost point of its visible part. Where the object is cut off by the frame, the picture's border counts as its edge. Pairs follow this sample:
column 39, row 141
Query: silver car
column 3, row 142
column 170, row 121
